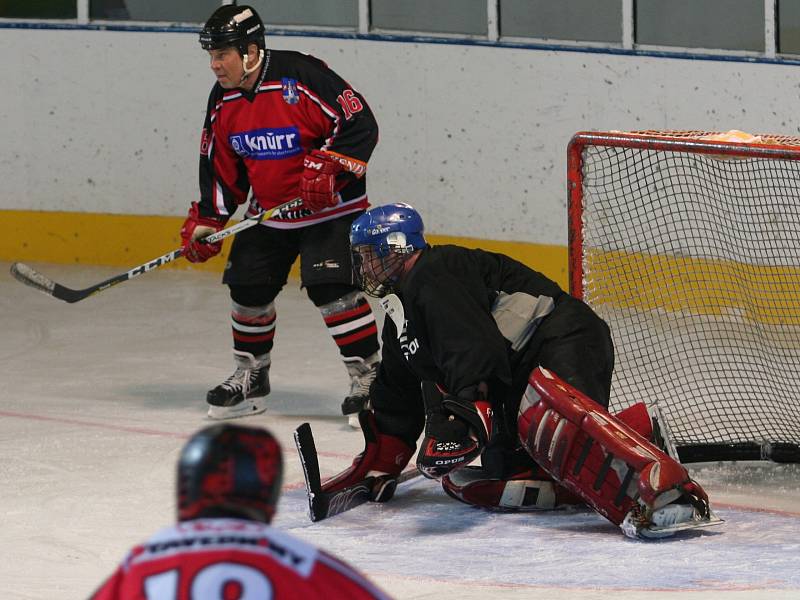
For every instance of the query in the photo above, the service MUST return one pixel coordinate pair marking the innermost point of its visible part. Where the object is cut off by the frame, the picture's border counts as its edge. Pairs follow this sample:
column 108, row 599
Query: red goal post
column 688, row 245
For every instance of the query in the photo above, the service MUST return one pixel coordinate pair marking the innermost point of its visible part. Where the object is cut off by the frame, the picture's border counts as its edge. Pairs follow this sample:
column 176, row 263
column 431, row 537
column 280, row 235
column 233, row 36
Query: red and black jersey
column 232, row 558
column 257, row 140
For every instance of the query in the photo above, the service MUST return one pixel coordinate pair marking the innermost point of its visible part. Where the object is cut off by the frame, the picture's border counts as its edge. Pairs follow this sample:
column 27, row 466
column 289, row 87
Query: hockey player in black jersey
column 523, row 372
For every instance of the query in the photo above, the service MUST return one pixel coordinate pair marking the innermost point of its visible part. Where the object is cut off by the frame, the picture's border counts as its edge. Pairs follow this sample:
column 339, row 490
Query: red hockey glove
column 319, row 180
column 384, row 457
column 455, row 432
column 196, row 227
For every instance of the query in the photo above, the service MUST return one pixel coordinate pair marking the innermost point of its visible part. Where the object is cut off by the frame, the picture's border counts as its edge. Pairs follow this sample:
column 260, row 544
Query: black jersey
column 447, row 333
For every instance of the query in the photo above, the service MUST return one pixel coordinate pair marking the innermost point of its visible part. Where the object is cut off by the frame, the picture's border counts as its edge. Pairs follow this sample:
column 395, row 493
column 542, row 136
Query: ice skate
column 241, row 394
column 666, row 521
column 362, row 373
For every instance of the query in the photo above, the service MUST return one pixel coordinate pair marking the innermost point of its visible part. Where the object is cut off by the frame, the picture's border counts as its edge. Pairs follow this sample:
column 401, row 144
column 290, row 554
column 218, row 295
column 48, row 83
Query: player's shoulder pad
column 290, row 63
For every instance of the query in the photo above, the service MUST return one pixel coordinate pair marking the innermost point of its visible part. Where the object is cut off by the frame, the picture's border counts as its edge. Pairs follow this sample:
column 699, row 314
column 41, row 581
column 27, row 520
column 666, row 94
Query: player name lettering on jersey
column 269, row 542
column 282, row 553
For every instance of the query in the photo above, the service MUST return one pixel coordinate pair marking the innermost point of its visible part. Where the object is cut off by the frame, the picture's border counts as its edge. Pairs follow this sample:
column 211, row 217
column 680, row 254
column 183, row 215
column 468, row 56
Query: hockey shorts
column 264, row 255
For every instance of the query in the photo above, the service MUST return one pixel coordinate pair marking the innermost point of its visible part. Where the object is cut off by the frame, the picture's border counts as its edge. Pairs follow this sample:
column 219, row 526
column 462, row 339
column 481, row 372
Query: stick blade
column 304, row 440
column 31, row 277
column 322, row 504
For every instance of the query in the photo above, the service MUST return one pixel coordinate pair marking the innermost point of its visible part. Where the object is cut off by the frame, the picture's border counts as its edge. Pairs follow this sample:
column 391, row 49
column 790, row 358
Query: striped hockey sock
column 352, row 325
column 253, row 328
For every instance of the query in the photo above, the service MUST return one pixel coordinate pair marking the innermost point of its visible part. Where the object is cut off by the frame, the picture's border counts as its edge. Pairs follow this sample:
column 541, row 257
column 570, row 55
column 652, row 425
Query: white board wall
column 473, row 136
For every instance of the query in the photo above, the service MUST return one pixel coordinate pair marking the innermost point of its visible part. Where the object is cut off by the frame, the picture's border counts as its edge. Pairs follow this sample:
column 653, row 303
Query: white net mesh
column 694, row 262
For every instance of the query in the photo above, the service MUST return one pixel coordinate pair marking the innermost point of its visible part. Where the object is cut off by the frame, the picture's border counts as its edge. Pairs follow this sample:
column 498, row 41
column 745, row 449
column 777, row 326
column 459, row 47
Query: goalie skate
column 666, row 522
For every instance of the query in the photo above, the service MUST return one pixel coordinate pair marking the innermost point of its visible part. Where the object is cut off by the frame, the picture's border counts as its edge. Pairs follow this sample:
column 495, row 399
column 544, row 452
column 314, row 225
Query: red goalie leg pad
column 383, row 455
column 595, row 455
column 528, row 490
column 637, row 418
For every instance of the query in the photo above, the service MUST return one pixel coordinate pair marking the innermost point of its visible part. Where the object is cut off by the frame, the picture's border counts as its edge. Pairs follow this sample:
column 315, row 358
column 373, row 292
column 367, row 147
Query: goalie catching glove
column 456, row 432
column 196, row 227
column 383, row 458
column 318, row 183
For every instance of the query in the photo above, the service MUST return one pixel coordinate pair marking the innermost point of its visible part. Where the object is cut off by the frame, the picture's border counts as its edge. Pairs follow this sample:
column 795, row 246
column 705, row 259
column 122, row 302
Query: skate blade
column 246, row 408
column 669, row 530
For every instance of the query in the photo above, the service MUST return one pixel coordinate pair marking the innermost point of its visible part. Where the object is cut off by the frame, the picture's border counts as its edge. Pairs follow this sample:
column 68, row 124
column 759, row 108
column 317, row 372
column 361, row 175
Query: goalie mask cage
column 689, row 249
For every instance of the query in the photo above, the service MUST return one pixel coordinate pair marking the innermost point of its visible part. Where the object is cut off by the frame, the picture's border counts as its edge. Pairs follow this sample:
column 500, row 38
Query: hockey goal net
column 689, row 248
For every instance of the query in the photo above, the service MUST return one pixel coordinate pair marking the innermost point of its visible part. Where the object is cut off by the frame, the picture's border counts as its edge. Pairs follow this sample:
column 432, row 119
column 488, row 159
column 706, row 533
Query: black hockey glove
column 456, row 432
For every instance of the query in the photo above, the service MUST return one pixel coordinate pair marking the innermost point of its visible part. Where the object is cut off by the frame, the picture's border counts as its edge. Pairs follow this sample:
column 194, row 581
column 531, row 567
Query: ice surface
column 96, row 399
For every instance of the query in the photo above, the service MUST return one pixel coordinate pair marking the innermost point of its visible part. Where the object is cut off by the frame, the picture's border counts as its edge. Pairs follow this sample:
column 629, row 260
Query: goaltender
column 523, row 372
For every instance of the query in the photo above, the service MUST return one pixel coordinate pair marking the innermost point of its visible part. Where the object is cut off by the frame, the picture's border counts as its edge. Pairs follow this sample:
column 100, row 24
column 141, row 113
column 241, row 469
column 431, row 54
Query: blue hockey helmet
column 380, row 240
column 392, row 227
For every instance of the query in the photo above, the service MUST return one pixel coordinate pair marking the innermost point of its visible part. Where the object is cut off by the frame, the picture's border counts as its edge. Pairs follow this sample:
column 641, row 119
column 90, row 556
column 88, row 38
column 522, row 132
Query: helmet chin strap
column 247, row 71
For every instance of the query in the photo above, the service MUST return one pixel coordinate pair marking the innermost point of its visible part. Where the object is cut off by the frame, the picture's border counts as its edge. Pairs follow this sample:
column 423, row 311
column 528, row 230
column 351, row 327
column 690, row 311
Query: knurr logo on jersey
column 266, row 144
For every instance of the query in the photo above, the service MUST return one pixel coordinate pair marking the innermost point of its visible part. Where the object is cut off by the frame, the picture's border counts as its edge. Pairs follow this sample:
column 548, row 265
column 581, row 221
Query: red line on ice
column 141, row 430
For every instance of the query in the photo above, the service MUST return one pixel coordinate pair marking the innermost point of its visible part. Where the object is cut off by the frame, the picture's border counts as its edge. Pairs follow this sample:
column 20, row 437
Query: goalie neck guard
column 229, row 471
column 380, row 240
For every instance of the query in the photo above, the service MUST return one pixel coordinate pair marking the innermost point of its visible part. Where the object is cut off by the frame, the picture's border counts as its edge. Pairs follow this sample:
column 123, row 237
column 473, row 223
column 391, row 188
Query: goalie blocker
column 382, row 460
column 610, row 466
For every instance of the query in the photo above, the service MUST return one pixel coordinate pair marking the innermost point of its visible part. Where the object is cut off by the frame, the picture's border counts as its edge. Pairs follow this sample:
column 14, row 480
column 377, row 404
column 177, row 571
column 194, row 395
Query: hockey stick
column 31, row 277
column 322, row 505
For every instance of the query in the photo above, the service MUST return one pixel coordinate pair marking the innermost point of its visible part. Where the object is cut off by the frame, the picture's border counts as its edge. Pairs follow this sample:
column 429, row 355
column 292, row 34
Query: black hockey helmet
column 233, row 26
column 229, row 471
